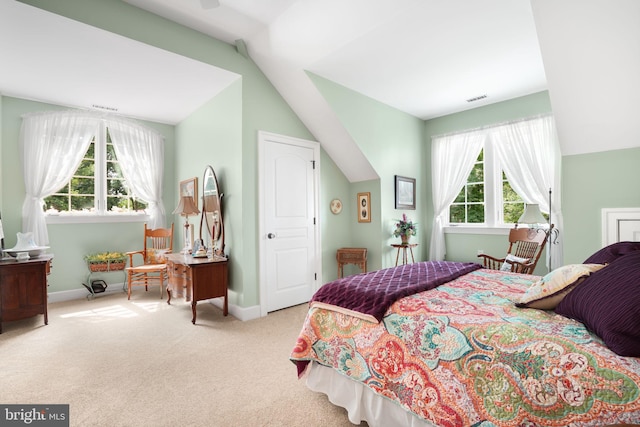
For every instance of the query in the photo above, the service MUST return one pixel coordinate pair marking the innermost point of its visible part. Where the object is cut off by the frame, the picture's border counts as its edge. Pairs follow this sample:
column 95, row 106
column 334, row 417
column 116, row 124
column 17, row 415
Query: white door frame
column 613, row 219
column 262, row 234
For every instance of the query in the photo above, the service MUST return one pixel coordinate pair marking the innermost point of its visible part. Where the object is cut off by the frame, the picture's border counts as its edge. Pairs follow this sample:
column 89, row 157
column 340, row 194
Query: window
column 485, row 199
column 97, row 186
column 528, row 152
column 468, row 207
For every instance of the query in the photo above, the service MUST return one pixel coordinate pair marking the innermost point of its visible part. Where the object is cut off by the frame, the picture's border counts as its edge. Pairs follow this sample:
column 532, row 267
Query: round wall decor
column 336, row 206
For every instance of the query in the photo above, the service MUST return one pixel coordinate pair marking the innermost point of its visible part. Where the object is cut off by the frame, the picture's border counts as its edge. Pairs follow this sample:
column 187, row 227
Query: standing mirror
column 211, row 222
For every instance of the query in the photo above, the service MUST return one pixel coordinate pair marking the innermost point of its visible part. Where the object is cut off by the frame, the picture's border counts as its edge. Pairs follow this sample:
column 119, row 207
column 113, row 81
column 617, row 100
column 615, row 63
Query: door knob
column 271, row 235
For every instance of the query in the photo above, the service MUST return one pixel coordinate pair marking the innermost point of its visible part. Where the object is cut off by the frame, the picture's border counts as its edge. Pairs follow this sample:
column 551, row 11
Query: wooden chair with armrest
column 153, row 270
column 526, row 244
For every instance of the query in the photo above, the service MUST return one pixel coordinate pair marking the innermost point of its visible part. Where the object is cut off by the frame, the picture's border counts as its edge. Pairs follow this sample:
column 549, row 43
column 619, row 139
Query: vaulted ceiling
column 427, row 58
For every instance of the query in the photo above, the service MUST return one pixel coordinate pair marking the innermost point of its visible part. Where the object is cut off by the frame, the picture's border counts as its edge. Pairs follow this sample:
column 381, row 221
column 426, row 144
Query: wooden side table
column 357, row 256
column 403, row 248
column 202, row 278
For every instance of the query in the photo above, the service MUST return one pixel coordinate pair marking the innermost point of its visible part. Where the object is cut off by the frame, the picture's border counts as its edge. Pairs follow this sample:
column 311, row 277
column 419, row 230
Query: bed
column 479, row 347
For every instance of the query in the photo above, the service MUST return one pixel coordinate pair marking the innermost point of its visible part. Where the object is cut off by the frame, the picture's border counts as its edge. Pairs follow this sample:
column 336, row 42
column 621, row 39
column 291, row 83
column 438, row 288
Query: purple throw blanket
column 369, row 295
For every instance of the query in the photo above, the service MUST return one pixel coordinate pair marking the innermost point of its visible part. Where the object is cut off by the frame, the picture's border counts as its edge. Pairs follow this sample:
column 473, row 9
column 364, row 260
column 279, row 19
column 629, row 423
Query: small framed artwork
column 405, row 192
column 189, row 187
column 364, row 207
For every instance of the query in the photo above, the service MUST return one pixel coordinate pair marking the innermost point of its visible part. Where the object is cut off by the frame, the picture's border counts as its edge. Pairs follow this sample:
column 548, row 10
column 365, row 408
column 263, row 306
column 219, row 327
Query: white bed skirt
column 361, row 403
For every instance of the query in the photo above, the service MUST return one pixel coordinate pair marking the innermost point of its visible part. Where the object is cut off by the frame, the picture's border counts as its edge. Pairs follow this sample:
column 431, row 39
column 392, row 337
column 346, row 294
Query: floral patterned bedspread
column 463, row 355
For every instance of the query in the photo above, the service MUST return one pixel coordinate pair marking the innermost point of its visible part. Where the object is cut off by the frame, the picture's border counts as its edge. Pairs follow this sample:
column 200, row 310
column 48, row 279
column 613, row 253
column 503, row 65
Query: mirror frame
column 207, row 219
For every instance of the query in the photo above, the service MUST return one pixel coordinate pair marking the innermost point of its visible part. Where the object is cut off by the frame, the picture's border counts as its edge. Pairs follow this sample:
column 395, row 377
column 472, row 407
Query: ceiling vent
column 102, row 107
column 477, row 98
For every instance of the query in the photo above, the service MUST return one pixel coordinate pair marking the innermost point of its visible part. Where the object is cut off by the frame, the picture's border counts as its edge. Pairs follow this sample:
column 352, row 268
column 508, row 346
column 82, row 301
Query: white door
column 289, row 230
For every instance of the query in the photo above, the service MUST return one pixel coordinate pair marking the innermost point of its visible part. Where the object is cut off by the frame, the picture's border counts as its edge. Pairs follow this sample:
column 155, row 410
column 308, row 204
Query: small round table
column 403, row 248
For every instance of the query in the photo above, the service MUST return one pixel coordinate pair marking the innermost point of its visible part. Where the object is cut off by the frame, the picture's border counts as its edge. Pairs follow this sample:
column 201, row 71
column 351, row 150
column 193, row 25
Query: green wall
column 254, row 105
column 223, row 133
column 591, row 182
column 464, row 246
column 213, row 136
column 335, row 229
column 69, row 242
column 393, row 142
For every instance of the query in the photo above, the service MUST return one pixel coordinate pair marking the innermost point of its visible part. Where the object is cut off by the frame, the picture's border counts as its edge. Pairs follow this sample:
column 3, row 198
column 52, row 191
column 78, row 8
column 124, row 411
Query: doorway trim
column 263, row 137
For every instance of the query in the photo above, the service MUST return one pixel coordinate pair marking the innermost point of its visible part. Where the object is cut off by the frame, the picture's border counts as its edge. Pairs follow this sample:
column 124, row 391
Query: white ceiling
column 424, row 57
column 58, row 60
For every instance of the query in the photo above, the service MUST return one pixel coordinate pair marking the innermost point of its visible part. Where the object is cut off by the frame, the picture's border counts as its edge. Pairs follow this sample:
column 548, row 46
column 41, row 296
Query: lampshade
column 186, row 207
column 532, row 215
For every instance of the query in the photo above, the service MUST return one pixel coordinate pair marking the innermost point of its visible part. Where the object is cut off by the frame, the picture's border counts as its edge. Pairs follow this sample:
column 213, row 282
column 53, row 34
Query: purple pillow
column 610, row 253
column 608, row 303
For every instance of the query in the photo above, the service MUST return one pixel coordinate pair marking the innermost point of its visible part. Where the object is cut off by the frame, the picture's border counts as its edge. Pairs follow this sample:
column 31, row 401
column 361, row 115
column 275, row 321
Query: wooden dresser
column 198, row 279
column 23, row 288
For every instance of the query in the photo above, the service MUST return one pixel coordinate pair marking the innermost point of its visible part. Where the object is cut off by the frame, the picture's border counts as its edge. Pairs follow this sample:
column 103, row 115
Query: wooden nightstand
column 357, row 256
column 23, row 288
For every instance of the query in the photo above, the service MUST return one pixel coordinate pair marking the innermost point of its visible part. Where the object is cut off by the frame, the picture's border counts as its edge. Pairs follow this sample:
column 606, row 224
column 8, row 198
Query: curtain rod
column 494, row 125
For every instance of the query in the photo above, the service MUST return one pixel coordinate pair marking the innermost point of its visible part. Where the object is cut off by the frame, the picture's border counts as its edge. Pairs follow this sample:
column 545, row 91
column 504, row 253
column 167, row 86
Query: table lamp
column 532, row 215
column 185, row 208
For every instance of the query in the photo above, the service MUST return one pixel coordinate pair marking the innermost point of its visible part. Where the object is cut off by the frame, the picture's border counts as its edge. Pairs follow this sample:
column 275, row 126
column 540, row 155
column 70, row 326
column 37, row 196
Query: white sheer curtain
column 52, row 145
column 452, row 158
column 140, row 152
column 529, row 153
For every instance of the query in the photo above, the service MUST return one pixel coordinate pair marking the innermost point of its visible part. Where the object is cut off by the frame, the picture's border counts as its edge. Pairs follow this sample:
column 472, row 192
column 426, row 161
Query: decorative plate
column 336, row 206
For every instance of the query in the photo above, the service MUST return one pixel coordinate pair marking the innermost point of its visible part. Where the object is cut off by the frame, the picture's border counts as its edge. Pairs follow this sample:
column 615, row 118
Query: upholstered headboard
column 620, row 224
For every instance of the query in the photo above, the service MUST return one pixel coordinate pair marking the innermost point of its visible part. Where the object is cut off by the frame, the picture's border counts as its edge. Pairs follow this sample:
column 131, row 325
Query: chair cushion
column 148, row 268
column 608, row 303
column 612, row 252
column 506, row 265
column 156, row 256
column 546, row 293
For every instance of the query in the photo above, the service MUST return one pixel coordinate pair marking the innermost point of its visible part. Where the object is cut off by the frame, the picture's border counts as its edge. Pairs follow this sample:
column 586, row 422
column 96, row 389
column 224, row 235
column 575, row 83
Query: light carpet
column 143, row 363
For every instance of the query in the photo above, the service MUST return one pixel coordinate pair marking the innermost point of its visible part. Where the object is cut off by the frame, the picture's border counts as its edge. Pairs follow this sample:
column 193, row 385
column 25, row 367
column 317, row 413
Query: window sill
column 479, row 229
column 89, row 219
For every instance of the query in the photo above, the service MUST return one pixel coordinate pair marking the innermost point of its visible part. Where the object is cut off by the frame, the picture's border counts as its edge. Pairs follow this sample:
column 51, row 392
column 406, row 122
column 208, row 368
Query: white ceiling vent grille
column 105, row 108
column 477, row 98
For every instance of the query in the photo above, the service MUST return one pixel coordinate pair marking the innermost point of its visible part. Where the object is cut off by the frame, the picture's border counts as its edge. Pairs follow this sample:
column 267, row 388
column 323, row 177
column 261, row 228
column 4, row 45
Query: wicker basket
column 111, row 265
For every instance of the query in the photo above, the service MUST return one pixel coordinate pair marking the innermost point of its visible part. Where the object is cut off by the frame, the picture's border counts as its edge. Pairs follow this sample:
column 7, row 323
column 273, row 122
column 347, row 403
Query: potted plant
column 405, row 228
column 106, row 261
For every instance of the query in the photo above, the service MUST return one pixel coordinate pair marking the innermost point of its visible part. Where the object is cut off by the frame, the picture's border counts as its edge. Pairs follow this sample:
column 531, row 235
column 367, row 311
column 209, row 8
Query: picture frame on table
column 364, row 207
column 405, row 192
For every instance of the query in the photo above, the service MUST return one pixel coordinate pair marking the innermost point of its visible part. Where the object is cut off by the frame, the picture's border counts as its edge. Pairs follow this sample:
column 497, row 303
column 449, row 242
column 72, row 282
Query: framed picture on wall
column 189, row 187
column 364, row 207
column 405, row 192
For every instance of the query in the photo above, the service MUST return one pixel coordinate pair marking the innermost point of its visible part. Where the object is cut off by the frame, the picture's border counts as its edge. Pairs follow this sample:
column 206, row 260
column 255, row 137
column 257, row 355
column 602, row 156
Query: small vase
column 405, row 239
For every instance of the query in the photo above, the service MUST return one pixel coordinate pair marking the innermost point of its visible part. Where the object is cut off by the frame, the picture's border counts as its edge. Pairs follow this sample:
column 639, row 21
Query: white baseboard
column 240, row 313
column 82, row 292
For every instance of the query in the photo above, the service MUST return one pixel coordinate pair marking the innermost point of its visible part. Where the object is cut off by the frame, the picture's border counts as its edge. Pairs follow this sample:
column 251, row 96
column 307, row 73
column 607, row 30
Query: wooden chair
column 153, row 270
column 526, row 243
